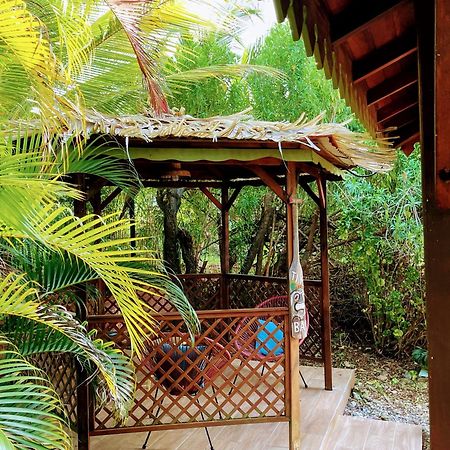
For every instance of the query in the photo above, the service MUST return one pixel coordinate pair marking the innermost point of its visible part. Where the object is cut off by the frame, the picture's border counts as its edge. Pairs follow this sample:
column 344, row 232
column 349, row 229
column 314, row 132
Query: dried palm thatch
column 333, row 141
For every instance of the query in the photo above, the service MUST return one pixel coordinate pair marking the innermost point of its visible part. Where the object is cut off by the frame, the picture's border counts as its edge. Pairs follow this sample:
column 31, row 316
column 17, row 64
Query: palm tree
column 112, row 55
column 55, row 60
column 46, row 251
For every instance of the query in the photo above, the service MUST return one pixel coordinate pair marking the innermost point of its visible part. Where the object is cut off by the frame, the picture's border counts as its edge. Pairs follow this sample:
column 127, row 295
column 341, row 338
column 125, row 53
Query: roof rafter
column 358, row 16
column 385, row 56
column 405, row 132
column 407, row 100
column 392, row 86
column 403, row 117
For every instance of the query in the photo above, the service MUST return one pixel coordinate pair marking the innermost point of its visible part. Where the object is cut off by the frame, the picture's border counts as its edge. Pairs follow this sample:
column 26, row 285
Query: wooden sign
column 297, row 305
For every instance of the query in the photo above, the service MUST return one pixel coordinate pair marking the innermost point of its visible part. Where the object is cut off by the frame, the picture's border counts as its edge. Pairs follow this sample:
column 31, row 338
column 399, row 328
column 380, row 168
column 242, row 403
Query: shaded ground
column 385, row 388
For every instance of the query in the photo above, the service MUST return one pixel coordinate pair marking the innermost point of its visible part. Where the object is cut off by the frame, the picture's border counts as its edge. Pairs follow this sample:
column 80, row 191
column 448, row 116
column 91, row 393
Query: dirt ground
column 385, row 388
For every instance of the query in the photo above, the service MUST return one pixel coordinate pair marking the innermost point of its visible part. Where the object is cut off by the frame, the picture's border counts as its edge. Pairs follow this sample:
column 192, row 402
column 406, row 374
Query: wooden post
column 293, row 395
column 83, row 409
column 225, row 250
column 434, row 91
column 325, row 275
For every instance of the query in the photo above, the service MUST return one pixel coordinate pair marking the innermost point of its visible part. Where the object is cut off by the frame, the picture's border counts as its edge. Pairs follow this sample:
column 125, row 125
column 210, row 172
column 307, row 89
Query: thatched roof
column 332, row 141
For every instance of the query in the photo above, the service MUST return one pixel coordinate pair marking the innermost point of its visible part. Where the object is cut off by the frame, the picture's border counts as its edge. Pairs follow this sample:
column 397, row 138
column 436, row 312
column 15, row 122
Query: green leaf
column 36, row 420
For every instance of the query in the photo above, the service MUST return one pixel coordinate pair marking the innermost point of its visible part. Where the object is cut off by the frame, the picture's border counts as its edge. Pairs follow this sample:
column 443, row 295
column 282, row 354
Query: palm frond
column 146, row 25
column 26, row 183
column 24, row 43
column 57, row 271
column 35, row 328
column 185, row 79
column 92, row 240
column 52, row 271
column 168, row 288
column 31, row 413
column 69, row 336
column 99, row 158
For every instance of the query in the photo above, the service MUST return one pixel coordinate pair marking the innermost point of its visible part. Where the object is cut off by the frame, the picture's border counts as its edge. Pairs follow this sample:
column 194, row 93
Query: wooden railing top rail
column 207, row 314
column 186, row 276
column 242, row 276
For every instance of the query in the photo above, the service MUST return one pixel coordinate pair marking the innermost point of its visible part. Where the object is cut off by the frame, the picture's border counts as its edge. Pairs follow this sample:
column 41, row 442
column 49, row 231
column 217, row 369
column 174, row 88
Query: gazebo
column 221, row 155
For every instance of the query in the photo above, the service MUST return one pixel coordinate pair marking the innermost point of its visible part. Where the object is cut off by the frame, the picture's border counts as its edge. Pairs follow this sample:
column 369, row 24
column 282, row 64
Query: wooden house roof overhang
column 369, row 51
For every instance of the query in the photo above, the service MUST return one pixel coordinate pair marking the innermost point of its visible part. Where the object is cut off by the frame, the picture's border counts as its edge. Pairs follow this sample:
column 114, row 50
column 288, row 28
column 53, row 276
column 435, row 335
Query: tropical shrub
column 375, row 221
column 378, row 224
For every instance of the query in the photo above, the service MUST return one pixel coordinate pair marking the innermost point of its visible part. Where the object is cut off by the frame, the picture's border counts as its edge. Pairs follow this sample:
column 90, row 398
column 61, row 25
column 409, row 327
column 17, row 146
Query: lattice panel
column 202, row 291
column 249, row 291
column 61, row 371
column 312, row 345
column 108, row 305
column 235, row 371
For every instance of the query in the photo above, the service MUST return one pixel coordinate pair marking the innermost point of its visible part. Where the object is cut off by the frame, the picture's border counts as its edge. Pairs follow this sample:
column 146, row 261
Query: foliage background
column 375, row 221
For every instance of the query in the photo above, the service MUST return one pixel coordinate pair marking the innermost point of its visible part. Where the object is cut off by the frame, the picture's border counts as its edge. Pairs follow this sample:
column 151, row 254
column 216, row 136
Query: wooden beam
column 293, row 387
column 95, row 188
column 210, row 195
column 307, row 188
column 407, row 145
column 325, row 275
column 233, row 197
column 442, row 110
column 281, row 9
column 405, row 132
column 358, row 16
column 224, row 251
column 392, row 86
column 434, row 66
column 405, row 116
column 270, row 182
column 110, row 198
column 84, row 410
column 385, row 56
column 308, row 168
column 198, row 184
column 95, row 199
column 398, row 105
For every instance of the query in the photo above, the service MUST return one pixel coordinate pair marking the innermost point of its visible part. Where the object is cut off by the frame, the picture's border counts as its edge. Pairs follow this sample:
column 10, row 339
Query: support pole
column 83, row 410
column 293, row 396
column 325, row 291
column 433, row 22
column 225, row 250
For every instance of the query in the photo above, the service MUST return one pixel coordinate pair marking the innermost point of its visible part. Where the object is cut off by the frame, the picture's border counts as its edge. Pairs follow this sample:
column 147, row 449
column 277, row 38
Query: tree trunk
column 263, row 227
column 169, row 201
column 280, row 266
column 306, row 260
column 187, row 250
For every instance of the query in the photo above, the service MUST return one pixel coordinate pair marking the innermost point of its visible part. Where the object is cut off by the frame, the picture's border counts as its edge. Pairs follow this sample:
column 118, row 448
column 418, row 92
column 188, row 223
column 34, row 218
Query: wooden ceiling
column 369, row 50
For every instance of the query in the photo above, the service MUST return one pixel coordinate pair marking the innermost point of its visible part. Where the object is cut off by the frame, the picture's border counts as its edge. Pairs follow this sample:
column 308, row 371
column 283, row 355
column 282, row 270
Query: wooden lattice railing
column 61, row 370
column 245, row 291
column 202, row 290
column 225, row 377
